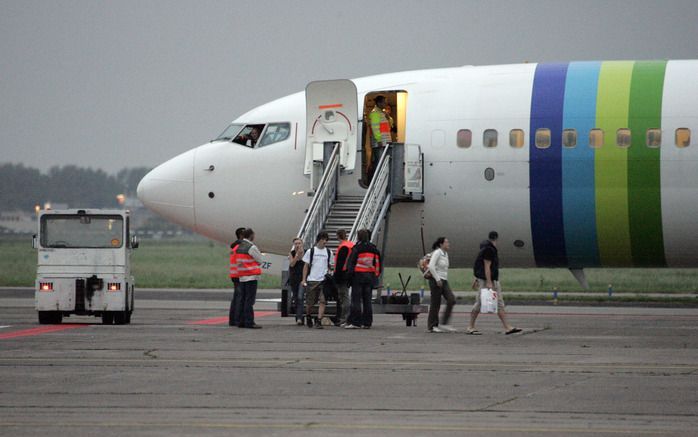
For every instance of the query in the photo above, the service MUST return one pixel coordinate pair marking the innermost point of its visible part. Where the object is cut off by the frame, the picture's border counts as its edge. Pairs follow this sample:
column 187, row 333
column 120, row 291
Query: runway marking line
column 224, row 320
column 347, row 426
column 40, row 330
column 372, row 364
column 5, row 326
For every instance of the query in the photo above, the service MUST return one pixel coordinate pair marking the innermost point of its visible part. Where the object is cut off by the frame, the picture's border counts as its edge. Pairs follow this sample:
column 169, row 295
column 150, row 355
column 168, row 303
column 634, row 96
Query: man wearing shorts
column 315, row 271
column 486, row 271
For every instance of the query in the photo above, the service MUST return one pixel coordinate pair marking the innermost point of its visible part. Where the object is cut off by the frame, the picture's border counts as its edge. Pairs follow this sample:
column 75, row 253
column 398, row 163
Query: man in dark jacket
column 486, row 270
column 364, row 267
column 235, row 303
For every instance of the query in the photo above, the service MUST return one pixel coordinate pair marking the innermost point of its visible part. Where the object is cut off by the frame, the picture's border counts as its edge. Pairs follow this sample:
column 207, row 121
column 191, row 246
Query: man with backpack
column 315, row 272
column 364, row 268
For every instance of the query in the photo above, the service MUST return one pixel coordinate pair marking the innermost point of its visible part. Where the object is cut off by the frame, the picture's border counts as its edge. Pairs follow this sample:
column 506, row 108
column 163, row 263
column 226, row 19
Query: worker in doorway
column 250, row 269
column 380, row 132
column 340, row 276
column 364, row 268
column 389, row 115
column 235, row 303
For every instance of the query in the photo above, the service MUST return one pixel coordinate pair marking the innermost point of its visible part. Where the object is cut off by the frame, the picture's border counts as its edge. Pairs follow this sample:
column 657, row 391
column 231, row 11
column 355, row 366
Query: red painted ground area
column 224, row 320
column 40, row 330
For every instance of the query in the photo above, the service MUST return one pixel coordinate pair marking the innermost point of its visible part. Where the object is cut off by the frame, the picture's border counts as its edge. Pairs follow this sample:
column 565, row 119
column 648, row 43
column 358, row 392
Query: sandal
column 513, row 331
column 473, row 332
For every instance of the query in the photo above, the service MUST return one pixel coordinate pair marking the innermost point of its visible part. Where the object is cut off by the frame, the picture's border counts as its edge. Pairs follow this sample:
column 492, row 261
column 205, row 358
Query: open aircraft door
column 332, row 116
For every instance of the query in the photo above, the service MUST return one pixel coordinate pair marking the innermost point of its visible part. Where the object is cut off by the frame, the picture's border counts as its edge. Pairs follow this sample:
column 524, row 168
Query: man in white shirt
column 317, row 267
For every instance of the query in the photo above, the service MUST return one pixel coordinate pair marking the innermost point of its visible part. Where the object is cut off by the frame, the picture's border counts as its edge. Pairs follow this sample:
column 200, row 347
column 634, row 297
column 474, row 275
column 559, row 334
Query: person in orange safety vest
column 364, row 267
column 235, row 303
column 249, row 265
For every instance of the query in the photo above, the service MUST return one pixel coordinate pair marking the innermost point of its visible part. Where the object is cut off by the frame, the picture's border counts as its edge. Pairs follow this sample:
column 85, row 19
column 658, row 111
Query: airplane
column 574, row 164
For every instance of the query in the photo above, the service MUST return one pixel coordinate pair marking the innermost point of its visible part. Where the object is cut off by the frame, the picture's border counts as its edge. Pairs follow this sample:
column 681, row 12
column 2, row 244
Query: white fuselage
column 220, row 186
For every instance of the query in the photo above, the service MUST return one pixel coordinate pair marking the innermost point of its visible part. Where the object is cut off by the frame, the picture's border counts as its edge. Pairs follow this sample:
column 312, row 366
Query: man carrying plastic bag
column 489, row 298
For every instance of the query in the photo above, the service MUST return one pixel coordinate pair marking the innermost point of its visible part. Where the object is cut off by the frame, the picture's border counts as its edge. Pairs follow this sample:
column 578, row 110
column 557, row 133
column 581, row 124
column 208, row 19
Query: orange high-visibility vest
column 234, row 273
column 368, row 262
column 247, row 266
column 349, row 245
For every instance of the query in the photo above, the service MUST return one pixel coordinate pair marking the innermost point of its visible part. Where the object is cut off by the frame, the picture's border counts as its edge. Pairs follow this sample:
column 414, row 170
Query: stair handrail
column 323, row 199
column 373, row 208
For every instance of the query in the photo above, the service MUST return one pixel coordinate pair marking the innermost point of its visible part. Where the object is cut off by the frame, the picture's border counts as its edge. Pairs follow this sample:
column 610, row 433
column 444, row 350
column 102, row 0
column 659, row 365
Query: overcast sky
column 113, row 84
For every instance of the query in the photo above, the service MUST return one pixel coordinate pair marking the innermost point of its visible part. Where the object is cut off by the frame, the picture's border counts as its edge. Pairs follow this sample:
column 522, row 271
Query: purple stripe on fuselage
column 547, row 226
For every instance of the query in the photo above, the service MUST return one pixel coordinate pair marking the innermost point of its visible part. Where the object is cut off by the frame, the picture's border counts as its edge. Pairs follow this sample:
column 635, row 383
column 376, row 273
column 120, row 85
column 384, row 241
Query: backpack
column 423, row 265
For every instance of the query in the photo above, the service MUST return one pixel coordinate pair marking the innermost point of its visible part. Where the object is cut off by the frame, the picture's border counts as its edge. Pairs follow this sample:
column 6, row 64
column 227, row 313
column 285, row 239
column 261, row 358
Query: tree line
column 23, row 187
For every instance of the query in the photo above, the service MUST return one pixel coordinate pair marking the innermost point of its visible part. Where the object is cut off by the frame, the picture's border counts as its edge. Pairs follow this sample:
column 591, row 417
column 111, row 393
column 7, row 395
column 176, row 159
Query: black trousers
column 361, row 305
column 249, row 296
column 235, row 305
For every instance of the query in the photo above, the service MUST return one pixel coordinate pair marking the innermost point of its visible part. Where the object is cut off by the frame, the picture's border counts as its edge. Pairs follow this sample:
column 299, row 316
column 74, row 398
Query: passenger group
column 314, row 276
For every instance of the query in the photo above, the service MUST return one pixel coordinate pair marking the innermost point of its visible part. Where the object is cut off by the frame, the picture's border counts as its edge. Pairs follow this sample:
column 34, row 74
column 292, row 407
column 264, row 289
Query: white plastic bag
column 488, row 300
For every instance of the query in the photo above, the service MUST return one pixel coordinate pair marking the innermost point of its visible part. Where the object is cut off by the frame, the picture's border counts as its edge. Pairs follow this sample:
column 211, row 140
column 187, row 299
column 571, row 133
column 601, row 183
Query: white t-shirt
column 319, row 268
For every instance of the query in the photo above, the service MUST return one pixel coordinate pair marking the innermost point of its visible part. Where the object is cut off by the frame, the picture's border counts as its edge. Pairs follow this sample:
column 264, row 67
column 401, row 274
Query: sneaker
column 437, row 329
column 319, row 326
column 309, row 321
column 343, row 325
column 366, row 327
column 352, row 327
column 447, row 328
column 299, row 322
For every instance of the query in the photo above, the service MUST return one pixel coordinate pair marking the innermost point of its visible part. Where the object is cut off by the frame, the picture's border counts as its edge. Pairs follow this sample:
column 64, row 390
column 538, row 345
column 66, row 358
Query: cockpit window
column 249, row 135
column 230, row 132
column 275, row 133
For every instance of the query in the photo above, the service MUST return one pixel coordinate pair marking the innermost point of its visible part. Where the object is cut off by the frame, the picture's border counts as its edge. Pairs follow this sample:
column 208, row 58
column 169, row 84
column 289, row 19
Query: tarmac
column 180, row 370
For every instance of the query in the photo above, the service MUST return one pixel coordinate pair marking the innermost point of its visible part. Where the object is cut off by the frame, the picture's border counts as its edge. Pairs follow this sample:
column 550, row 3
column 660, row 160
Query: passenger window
column 654, row 138
column 516, row 138
column 683, row 137
column 489, row 138
column 275, row 133
column 249, row 135
column 569, row 138
column 623, row 138
column 464, row 138
column 596, row 138
column 543, row 138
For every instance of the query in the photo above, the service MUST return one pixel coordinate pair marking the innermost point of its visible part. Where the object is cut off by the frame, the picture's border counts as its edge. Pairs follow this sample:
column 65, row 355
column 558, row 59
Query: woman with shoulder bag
column 438, row 285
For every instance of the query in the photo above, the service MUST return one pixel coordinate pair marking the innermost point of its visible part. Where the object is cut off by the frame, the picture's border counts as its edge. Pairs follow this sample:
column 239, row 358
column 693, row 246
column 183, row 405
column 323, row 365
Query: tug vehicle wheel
column 107, row 318
column 50, row 317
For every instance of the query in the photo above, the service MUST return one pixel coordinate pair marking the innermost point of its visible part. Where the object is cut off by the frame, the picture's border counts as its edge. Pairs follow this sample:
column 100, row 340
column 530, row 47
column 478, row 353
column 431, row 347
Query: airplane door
column 331, row 116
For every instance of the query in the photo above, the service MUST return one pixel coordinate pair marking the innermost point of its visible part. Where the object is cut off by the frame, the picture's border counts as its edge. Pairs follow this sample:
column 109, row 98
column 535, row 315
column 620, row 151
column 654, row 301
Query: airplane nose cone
column 168, row 190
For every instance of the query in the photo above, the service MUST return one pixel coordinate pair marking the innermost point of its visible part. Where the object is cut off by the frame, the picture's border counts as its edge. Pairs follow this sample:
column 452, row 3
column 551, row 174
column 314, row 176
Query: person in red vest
column 235, row 303
column 249, row 260
column 340, row 276
column 364, row 267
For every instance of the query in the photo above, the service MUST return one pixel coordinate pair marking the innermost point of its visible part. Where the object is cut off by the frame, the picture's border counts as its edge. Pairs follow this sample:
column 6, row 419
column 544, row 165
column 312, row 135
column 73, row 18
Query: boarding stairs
column 329, row 211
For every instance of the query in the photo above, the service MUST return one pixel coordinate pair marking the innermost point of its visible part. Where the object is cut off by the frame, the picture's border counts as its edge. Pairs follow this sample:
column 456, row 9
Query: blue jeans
column 249, row 296
column 235, row 306
column 298, row 292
